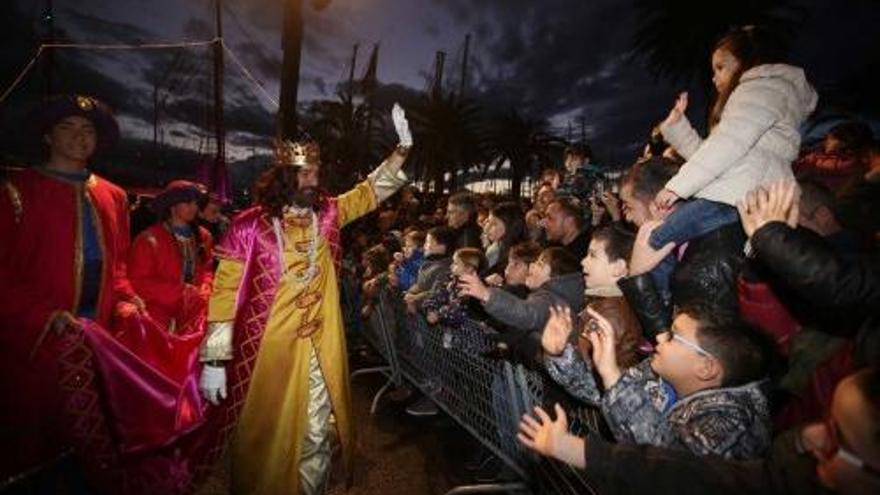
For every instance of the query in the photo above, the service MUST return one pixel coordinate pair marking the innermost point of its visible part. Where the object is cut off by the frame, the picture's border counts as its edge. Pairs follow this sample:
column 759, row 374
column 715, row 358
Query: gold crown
column 296, row 154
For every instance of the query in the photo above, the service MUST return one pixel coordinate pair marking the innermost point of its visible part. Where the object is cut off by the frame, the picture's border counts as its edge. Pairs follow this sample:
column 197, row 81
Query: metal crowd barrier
column 484, row 396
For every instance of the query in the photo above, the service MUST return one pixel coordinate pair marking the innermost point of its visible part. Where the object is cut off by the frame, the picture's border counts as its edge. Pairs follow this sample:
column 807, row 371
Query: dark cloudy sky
column 555, row 59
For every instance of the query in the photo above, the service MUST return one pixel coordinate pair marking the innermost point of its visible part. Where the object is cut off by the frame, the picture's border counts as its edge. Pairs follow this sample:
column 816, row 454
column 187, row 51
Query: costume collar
column 81, row 177
column 606, row 291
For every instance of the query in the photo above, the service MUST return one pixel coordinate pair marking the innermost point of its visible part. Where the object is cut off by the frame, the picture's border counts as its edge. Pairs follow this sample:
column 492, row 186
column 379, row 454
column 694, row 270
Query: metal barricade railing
column 380, row 331
column 484, row 396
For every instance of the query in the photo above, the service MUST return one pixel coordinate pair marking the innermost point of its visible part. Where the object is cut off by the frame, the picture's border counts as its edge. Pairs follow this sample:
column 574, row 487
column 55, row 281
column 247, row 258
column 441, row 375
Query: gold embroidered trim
column 15, row 199
column 102, row 245
column 77, row 249
column 47, row 327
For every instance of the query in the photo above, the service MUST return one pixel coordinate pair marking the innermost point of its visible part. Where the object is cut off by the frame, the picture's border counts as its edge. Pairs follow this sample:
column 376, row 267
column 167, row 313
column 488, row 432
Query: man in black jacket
column 461, row 216
column 565, row 226
column 811, row 268
column 705, row 273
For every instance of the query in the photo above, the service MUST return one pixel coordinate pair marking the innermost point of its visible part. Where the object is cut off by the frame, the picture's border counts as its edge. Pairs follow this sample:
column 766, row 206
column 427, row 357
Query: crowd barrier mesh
column 485, row 396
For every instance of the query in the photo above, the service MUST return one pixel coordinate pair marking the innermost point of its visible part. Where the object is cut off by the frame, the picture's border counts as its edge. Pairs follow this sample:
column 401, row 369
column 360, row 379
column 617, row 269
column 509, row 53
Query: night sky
column 554, row 59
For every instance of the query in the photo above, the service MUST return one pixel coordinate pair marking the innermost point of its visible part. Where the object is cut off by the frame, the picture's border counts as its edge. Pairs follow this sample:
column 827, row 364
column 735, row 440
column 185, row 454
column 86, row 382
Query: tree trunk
column 515, row 180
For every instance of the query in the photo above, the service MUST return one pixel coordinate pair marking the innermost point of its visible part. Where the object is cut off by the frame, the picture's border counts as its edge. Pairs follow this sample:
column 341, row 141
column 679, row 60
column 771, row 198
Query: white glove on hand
column 212, row 383
column 401, row 125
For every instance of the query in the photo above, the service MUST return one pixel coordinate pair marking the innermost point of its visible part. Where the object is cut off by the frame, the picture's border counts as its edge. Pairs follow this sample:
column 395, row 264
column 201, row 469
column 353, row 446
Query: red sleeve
column 22, row 304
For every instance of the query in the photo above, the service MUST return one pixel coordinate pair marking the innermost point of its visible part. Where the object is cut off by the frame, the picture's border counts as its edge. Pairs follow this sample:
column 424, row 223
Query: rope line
column 24, row 72
column 244, row 70
column 144, row 46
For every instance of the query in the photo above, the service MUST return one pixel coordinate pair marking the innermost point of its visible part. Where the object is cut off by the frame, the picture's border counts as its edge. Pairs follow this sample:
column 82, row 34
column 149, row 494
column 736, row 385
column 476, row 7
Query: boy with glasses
column 702, row 390
column 840, row 455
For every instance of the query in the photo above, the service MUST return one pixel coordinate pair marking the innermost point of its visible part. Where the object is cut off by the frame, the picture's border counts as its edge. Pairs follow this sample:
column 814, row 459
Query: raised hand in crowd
column 678, row 109
column 777, row 203
column 551, row 437
column 601, row 335
column 612, row 204
column 557, row 330
column 597, row 210
column 470, row 284
column 644, row 257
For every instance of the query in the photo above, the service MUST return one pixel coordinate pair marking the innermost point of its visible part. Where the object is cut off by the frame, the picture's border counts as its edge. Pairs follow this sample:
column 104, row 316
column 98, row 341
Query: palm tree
column 675, row 37
column 340, row 126
column 451, row 134
column 523, row 142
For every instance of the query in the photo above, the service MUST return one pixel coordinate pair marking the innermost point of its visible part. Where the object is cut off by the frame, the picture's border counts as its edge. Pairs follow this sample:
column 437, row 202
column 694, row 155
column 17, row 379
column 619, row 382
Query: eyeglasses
column 689, row 343
column 836, row 448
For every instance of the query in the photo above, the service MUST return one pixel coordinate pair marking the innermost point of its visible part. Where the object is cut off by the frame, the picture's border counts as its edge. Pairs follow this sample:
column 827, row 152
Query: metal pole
column 292, row 47
column 219, row 128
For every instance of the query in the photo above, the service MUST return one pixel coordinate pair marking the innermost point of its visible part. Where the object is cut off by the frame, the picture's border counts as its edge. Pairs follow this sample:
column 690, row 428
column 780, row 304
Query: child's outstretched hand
column 557, row 330
column 543, row 435
column 602, row 338
column 612, row 204
column 779, row 202
column 678, row 109
column 470, row 285
column 551, row 438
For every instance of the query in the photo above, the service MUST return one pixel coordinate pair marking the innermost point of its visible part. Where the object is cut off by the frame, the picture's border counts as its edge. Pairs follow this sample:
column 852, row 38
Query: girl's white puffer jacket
column 753, row 144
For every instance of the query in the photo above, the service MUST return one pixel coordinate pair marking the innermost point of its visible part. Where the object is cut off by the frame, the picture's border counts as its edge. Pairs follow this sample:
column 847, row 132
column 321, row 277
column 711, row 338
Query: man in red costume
column 65, row 233
column 170, row 264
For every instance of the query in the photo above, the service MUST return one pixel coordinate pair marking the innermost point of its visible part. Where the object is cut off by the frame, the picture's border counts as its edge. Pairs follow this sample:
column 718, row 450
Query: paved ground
column 396, row 453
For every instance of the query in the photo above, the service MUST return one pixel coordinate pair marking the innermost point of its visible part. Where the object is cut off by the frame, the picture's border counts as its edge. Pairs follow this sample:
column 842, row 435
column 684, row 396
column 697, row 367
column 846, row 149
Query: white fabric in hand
column 401, row 125
column 212, row 383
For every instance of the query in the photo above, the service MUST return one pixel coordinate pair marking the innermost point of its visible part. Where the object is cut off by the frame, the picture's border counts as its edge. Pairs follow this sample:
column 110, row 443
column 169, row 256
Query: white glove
column 401, row 125
column 212, row 383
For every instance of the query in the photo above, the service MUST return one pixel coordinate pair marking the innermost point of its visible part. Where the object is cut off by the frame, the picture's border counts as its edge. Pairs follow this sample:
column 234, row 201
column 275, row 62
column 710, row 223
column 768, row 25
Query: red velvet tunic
column 155, row 269
column 41, row 262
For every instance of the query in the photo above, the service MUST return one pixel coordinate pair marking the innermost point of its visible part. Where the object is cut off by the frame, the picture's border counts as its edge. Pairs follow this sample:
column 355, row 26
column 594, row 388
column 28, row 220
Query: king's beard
column 305, row 197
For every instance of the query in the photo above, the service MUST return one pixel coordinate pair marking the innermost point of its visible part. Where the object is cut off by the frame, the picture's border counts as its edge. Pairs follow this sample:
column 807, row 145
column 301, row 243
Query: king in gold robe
column 275, row 325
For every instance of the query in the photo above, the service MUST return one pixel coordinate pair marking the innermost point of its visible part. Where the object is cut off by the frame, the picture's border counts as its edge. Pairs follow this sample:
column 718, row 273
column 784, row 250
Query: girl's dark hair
column 751, row 46
column 561, row 261
column 512, row 216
